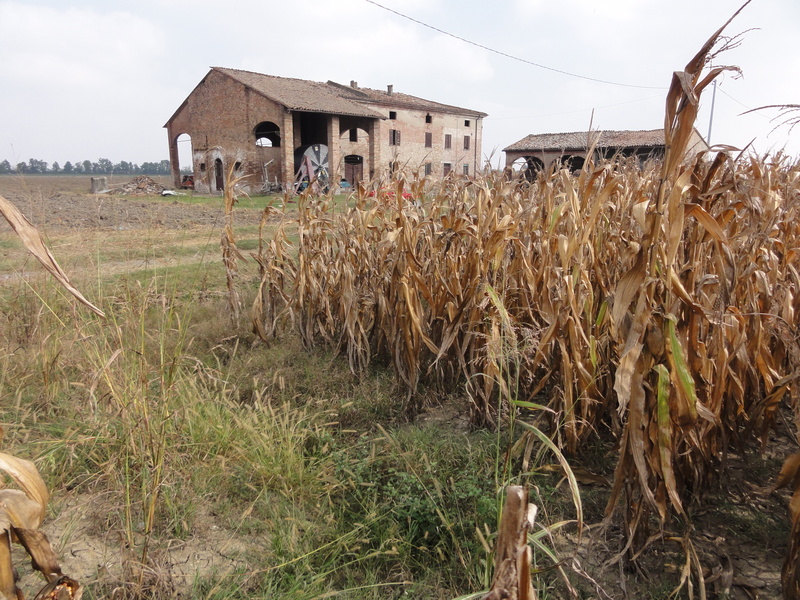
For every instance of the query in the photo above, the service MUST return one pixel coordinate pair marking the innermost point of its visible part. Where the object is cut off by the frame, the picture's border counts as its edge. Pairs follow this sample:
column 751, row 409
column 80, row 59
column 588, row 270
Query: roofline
column 586, row 147
column 441, row 108
column 290, row 109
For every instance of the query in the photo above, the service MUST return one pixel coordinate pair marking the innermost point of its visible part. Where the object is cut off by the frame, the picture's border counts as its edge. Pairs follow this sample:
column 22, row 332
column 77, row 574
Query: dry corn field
column 583, row 301
column 656, row 305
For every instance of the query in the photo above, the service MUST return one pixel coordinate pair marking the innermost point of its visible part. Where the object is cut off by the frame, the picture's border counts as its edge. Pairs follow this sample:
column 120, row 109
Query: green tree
column 56, row 168
column 37, row 166
column 87, row 166
column 103, row 165
column 68, row 167
column 5, row 167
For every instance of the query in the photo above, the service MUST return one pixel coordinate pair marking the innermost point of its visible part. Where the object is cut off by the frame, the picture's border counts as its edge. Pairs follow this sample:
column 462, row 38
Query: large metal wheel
column 318, row 154
column 311, row 163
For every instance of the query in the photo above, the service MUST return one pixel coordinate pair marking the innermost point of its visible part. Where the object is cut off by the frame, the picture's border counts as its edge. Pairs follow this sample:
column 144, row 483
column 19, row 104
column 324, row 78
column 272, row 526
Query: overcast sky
column 89, row 79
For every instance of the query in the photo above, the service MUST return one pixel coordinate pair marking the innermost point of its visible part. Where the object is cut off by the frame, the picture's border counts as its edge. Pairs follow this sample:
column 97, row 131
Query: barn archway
column 268, row 135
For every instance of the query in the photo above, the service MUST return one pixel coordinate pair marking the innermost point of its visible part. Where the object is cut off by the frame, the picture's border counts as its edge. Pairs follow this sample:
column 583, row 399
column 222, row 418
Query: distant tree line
column 102, row 166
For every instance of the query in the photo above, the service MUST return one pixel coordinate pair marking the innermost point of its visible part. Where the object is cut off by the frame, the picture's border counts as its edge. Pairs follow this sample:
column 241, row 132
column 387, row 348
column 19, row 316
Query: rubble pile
column 139, row 186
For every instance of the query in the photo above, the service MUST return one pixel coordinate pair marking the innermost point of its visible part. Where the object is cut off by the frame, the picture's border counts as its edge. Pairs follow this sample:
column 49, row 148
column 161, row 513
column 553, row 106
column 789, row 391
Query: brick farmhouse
column 263, row 126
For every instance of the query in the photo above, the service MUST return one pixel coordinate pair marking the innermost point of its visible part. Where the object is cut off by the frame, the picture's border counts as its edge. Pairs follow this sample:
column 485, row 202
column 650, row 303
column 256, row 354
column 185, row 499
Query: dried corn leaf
column 26, row 476
column 8, row 587
column 41, row 552
column 33, row 241
column 18, row 510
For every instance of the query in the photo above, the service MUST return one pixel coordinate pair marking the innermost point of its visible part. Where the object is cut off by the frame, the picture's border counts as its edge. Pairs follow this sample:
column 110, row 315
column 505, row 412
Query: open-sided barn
column 543, row 151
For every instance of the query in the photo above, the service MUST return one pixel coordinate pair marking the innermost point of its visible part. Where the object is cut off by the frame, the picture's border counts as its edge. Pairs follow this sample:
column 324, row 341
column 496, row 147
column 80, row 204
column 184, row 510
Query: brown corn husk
column 21, row 513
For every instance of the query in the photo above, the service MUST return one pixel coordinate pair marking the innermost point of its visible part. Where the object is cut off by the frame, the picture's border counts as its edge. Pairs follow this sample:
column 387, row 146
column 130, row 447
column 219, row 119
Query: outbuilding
column 546, row 151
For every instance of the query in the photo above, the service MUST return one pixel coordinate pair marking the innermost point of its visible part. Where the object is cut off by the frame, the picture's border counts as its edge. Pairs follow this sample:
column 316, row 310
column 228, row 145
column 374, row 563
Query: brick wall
column 221, row 116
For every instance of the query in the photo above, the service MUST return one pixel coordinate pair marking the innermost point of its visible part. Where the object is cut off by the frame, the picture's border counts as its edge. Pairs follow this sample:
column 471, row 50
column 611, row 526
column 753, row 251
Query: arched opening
column 185, row 161
column 528, row 167
column 353, row 169
column 219, row 179
column 572, row 163
column 354, row 135
column 268, row 135
column 185, row 166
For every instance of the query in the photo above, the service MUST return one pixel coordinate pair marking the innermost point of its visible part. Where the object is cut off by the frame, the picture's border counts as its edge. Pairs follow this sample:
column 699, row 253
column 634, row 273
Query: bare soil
column 52, row 201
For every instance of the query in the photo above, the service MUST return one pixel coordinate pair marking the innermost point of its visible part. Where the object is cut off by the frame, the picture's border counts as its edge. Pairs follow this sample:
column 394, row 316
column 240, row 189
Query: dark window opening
column 428, row 119
column 428, row 168
column 446, row 168
column 392, row 114
column 466, row 169
column 466, row 142
column 448, row 141
column 394, row 137
column 268, row 135
column 237, row 166
column 353, row 134
column 428, row 139
column 466, row 122
column 202, row 166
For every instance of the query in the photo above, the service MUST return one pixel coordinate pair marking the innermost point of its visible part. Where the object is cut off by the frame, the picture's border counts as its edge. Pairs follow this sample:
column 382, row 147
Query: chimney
column 354, row 84
column 389, row 90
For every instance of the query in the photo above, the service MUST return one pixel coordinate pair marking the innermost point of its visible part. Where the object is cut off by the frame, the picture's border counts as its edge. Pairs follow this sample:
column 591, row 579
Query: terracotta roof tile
column 300, row 94
column 580, row 140
column 401, row 100
column 335, row 98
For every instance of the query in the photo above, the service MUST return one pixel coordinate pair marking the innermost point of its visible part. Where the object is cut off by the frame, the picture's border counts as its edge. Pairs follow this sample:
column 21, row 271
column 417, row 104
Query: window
column 466, row 142
column 202, row 166
column 428, row 118
column 466, row 122
column 392, row 115
column 428, row 168
column 446, row 168
column 448, row 141
column 237, row 166
column 394, row 137
column 466, row 169
column 354, row 135
column 428, row 139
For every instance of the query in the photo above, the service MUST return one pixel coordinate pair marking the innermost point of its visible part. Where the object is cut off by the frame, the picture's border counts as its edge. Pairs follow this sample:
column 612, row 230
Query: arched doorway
column 185, row 162
column 353, row 169
column 219, row 177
